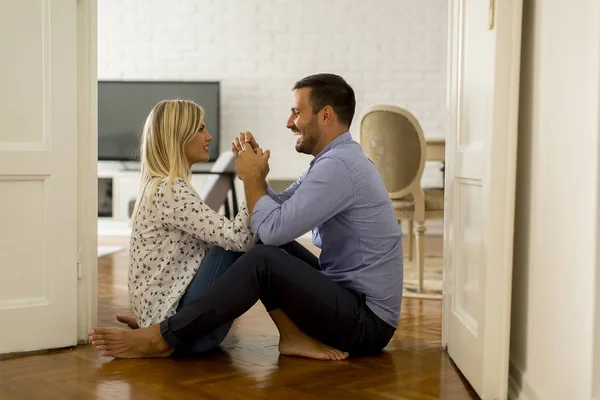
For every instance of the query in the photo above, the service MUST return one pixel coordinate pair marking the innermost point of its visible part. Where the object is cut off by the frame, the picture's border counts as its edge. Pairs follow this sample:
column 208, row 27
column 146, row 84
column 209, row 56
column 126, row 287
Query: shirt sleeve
column 325, row 191
column 185, row 210
column 287, row 193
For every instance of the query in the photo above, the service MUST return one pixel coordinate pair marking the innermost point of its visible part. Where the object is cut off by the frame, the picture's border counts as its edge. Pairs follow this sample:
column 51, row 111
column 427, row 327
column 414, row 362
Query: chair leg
column 419, row 233
column 410, row 239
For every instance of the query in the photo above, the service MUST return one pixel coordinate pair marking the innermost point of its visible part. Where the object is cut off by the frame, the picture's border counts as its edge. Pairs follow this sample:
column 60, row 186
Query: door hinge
column 491, row 12
column 79, row 263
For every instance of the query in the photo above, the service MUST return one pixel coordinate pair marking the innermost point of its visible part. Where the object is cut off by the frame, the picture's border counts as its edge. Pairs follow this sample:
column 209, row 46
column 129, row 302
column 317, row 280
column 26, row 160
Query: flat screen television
column 123, row 107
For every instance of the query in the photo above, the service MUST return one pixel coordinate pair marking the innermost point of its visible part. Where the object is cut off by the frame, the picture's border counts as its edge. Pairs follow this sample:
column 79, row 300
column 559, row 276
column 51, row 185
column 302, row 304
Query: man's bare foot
column 128, row 320
column 304, row 346
column 294, row 342
column 123, row 343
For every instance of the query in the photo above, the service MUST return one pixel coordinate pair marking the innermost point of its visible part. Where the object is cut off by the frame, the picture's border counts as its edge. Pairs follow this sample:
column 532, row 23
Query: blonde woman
column 179, row 246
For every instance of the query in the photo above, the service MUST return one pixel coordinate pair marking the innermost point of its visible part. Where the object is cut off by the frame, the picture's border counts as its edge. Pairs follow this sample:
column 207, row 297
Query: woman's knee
column 220, row 259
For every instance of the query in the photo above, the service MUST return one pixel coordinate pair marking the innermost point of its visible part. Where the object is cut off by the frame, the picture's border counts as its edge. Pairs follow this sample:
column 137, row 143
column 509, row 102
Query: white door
column 484, row 57
column 38, row 175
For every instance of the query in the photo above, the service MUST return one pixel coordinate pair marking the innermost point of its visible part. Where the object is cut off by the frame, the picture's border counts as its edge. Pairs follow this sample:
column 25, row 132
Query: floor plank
column 247, row 366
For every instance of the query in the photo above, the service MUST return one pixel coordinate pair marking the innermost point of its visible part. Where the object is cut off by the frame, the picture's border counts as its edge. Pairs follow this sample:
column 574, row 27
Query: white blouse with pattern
column 168, row 242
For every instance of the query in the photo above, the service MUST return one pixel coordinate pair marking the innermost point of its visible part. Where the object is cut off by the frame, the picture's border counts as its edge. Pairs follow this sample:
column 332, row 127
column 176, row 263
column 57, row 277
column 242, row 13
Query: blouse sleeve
column 185, row 210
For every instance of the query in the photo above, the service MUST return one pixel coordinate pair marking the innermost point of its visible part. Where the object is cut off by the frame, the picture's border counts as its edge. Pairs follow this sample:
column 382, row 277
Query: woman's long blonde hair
column 170, row 126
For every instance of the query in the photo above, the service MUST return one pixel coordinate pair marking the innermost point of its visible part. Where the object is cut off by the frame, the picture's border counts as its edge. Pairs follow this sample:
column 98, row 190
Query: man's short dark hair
column 332, row 90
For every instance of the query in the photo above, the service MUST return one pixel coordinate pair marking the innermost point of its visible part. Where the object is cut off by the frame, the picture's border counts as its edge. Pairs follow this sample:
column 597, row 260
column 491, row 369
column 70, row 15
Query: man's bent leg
column 267, row 260
column 325, row 310
column 297, row 250
column 321, row 308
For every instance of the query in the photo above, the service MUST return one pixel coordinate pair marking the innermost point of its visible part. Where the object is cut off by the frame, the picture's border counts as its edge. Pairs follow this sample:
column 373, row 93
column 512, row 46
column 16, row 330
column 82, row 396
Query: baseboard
column 513, row 391
column 519, row 387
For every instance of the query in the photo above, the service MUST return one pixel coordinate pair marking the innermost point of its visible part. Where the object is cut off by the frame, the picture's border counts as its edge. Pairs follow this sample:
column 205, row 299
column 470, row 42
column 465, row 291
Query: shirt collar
column 343, row 138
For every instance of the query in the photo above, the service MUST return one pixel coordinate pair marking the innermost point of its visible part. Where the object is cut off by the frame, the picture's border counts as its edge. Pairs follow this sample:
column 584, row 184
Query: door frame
column 596, row 339
column 87, row 179
column 448, row 162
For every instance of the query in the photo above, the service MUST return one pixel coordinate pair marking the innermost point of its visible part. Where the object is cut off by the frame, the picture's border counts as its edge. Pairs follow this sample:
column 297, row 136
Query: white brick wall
column 390, row 51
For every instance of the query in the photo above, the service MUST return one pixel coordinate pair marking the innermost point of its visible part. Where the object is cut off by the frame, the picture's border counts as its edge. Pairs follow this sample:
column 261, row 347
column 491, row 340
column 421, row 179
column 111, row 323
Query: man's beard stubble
column 310, row 136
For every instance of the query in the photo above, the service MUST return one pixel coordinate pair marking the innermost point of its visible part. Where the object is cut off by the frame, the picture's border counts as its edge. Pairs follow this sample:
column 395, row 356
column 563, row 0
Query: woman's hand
column 238, row 143
column 252, row 164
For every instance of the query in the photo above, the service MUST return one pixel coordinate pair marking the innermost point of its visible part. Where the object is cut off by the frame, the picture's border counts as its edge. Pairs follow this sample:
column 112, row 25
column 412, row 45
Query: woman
column 179, row 245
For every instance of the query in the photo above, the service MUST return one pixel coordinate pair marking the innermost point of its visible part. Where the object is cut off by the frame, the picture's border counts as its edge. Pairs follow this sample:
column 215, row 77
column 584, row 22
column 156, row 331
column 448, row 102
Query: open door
column 38, row 175
column 483, row 85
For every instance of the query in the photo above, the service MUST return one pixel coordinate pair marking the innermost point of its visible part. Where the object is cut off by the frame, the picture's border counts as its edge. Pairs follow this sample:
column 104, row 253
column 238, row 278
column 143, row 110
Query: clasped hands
column 252, row 162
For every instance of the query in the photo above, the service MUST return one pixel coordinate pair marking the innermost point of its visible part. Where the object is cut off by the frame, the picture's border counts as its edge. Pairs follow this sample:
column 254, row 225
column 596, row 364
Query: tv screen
column 124, row 106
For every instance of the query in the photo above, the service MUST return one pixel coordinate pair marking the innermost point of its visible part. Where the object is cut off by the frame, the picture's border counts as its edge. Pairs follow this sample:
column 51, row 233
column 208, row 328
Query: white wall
column 554, row 292
column 390, row 51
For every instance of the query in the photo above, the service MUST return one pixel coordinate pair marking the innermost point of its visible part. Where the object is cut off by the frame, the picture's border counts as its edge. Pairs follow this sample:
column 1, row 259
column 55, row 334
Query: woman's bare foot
column 128, row 320
column 305, row 346
column 294, row 342
column 123, row 343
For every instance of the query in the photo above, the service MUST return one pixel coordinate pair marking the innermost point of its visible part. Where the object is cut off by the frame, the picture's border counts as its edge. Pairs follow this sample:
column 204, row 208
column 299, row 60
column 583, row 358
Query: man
column 347, row 301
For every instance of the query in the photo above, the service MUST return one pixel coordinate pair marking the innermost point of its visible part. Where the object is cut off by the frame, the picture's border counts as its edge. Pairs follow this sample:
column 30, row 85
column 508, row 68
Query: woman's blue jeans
column 216, row 262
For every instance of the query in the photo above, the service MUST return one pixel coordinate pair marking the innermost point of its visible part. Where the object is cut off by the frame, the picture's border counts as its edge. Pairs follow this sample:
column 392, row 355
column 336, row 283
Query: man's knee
column 263, row 257
column 264, row 251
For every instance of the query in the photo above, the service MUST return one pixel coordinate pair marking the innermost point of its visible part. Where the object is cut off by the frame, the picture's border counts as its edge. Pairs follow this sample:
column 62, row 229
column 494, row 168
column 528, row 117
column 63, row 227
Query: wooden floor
column 248, row 366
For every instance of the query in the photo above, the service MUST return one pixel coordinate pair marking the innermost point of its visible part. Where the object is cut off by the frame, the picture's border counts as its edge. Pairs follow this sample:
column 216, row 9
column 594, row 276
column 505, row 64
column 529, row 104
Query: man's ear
column 326, row 115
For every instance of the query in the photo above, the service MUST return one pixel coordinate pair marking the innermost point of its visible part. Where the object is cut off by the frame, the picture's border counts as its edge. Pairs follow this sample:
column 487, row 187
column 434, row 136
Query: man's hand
column 237, row 145
column 252, row 165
